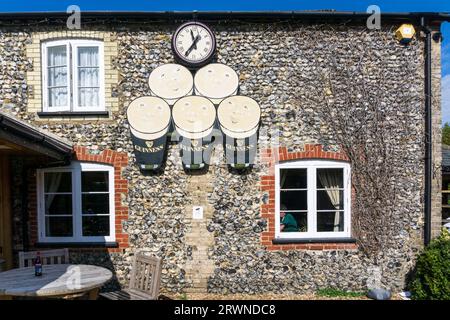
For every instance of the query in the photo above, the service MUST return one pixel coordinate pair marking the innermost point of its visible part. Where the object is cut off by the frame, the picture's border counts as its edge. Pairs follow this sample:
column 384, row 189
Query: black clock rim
column 199, row 63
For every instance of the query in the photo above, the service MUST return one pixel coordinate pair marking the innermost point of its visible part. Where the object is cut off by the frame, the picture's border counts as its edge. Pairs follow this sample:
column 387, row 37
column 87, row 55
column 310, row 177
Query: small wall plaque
column 197, row 212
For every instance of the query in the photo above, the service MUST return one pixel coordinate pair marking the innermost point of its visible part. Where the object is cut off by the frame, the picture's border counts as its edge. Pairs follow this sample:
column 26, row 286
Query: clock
column 193, row 44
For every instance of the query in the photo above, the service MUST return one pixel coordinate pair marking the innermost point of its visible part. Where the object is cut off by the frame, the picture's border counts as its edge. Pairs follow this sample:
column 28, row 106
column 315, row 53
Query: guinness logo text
column 149, row 149
column 193, row 149
column 239, row 148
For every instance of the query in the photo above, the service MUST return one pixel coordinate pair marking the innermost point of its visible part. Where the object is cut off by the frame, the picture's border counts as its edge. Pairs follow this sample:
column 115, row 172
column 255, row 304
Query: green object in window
column 290, row 224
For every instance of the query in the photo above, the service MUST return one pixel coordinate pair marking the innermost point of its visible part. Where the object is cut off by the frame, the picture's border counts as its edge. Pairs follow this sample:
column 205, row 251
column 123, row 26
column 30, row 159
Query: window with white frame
column 73, row 75
column 76, row 203
column 312, row 199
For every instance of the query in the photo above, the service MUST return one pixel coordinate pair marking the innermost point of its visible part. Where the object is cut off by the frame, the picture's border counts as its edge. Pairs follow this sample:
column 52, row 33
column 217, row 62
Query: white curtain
column 57, row 76
column 88, row 77
column 331, row 182
column 52, row 186
column 283, row 177
column 52, row 183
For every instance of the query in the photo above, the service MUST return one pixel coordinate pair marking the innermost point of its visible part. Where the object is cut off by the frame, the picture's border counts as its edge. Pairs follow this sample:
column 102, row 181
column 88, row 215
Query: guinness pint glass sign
column 239, row 118
column 194, row 119
column 216, row 81
column 149, row 119
column 170, row 82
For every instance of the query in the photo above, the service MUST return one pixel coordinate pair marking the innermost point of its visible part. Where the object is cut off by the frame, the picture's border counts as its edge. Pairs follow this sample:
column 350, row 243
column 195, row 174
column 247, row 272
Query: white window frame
column 72, row 74
column 311, row 166
column 76, row 168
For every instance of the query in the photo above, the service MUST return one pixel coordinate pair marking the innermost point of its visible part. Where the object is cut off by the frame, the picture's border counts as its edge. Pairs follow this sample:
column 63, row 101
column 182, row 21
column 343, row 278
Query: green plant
column 330, row 292
column 183, row 296
column 446, row 134
column 431, row 279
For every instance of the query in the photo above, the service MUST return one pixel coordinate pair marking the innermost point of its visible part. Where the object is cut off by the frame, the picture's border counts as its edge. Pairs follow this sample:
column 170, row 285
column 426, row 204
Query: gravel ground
column 211, row 296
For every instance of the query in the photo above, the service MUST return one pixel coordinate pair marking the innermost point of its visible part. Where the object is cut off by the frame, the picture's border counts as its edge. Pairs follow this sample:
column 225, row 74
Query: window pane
column 88, row 57
column 88, row 97
column 94, row 181
column 88, row 77
column 294, row 222
column 330, row 178
column 330, row 199
column 293, row 200
column 57, row 97
column 96, row 226
column 58, row 182
column 330, row 221
column 58, row 204
column 57, row 77
column 95, row 204
column 57, row 56
column 293, row 179
column 58, row 227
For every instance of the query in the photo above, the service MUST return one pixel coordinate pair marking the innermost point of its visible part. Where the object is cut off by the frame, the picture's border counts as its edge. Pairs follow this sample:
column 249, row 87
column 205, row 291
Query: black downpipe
column 428, row 133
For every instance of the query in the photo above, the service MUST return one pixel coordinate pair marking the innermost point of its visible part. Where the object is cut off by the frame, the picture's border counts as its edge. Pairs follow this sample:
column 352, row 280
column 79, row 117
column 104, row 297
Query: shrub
column 431, row 279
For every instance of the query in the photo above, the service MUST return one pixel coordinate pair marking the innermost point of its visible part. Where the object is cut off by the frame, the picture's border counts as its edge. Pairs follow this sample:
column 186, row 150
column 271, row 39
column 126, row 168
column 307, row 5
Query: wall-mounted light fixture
column 405, row 33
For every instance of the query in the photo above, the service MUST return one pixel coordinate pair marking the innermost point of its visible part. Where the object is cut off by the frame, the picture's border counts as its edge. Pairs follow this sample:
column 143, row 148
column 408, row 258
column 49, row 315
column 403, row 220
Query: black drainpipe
column 428, row 133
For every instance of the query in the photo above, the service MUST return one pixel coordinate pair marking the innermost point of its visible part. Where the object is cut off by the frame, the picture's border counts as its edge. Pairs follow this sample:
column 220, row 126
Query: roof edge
column 434, row 16
column 37, row 135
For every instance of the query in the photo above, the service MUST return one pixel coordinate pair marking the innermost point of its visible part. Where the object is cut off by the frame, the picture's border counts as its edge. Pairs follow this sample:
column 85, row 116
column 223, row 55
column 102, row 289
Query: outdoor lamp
column 405, row 33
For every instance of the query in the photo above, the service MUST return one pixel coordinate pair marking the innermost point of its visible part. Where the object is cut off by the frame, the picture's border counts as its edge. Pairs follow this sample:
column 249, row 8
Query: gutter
column 29, row 133
column 222, row 15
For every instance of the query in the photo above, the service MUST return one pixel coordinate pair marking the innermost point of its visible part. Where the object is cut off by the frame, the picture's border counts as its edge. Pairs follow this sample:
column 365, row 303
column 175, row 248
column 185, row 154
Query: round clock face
column 193, row 44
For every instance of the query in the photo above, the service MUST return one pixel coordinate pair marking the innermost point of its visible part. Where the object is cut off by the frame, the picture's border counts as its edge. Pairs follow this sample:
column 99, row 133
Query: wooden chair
column 144, row 282
column 58, row 256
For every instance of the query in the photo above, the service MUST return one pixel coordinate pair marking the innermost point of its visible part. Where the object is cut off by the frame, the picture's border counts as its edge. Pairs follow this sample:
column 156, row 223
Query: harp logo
column 149, row 144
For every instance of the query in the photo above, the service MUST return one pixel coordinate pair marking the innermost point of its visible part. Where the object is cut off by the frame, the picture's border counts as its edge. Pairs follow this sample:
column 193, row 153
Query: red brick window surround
column 118, row 160
column 271, row 157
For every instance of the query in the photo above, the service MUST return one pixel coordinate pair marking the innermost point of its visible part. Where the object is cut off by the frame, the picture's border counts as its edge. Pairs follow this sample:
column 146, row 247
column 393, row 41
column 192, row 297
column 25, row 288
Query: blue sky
column 250, row 5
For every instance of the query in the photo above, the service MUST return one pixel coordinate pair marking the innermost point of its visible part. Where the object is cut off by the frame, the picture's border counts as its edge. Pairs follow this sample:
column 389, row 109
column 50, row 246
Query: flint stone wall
column 271, row 59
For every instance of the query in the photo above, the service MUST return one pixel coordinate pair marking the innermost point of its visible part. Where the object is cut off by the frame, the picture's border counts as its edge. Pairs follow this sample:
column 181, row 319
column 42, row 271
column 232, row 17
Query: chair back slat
column 146, row 274
column 142, row 279
column 57, row 256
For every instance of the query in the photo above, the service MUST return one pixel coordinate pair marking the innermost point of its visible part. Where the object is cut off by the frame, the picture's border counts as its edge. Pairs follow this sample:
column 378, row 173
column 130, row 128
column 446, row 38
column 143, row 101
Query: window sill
column 76, row 245
column 73, row 114
column 312, row 240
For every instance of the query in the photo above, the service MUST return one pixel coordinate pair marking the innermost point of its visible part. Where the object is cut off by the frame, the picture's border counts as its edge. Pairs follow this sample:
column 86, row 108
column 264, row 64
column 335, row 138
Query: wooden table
column 59, row 280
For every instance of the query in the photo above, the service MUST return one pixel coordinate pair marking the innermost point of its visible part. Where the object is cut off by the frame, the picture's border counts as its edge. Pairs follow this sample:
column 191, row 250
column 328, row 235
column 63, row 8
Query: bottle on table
column 38, row 265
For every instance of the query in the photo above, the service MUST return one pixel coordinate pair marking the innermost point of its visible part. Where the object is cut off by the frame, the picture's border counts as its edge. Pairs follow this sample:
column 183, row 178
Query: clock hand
column 193, row 38
column 194, row 44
